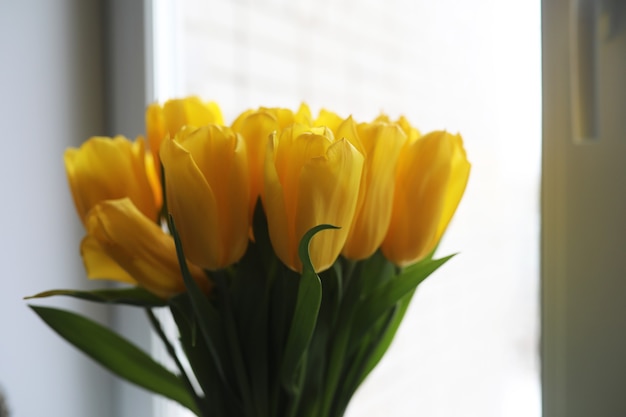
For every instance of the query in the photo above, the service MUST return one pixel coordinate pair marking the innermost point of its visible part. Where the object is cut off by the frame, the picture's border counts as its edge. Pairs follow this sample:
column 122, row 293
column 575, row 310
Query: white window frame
column 583, row 238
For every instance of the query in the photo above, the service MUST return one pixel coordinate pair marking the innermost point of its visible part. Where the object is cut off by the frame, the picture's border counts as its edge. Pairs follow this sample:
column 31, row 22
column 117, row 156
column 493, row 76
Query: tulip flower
column 431, row 178
column 310, row 179
column 382, row 144
column 124, row 245
column 104, row 169
column 168, row 119
column 207, row 189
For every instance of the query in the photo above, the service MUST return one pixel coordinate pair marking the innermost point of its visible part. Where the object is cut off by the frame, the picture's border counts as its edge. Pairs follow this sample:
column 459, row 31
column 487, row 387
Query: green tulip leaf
column 386, row 338
column 116, row 354
column 372, row 349
column 134, row 296
column 305, row 313
column 384, row 298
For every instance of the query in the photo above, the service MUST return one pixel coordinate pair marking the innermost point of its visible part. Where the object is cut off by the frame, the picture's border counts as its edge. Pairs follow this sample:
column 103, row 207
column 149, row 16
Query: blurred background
column 75, row 69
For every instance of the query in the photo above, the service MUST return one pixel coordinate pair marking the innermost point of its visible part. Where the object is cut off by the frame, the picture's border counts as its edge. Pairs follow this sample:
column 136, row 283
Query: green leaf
column 232, row 338
column 383, row 299
column 385, row 341
column 315, row 384
column 371, row 351
column 135, row 296
column 305, row 314
column 116, row 354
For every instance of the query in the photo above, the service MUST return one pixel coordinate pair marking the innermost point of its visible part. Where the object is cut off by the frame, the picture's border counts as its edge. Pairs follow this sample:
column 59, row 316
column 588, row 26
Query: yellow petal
column 98, row 263
column 328, row 118
column 154, row 180
column 273, row 197
column 383, row 143
column 103, row 169
column 329, row 188
column 190, row 111
column 303, row 115
column 459, row 175
column 155, row 131
column 167, row 120
column 411, row 132
column 256, row 128
column 192, row 204
column 428, row 188
column 138, row 246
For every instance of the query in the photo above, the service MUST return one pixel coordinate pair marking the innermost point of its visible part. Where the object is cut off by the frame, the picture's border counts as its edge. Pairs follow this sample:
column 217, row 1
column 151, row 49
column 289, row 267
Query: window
column 470, row 342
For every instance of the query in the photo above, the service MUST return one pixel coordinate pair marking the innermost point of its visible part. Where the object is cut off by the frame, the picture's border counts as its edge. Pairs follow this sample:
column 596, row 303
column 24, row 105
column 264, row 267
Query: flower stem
column 156, row 325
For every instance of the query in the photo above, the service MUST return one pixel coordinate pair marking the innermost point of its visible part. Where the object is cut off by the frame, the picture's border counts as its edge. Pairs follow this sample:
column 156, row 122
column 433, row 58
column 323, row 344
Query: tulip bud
column 310, row 179
column 104, row 169
column 430, row 181
column 207, row 189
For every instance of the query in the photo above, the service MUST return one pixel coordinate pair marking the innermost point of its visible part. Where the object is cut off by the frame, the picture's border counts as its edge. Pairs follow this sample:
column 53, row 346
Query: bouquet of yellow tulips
column 286, row 248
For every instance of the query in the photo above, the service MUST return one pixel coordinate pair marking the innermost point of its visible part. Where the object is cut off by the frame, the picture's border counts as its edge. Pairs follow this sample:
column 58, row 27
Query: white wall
column 51, row 88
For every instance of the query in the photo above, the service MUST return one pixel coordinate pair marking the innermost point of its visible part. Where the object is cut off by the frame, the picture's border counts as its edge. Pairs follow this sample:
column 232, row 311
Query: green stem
column 233, row 341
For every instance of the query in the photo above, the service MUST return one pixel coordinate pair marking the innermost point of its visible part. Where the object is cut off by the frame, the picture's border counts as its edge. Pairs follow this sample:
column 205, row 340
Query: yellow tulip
column 124, row 245
column 310, row 179
column 382, row 144
column 104, row 169
column 430, row 181
column 168, row 119
column 207, row 189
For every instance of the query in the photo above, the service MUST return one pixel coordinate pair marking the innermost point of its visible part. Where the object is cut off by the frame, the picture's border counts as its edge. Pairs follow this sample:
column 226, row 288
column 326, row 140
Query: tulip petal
column 256, row 129
column 168, row 119
column 459, row 175
column 328, row 195
column 427, row 192
column 103, row 169
column 98, row 263
column 191, row 202
column 273, row 197
column 383, row 144
column 328, row 118
column 190, row 111
column 208, row 193
column 138, row 246
column 303, row 115
column 155, row 131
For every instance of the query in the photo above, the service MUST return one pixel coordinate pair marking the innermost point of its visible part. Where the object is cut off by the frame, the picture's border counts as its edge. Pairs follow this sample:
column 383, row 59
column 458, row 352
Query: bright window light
column 469, row 345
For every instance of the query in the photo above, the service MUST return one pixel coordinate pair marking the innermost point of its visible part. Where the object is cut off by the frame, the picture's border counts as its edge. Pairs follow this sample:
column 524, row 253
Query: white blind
column 469, row 344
